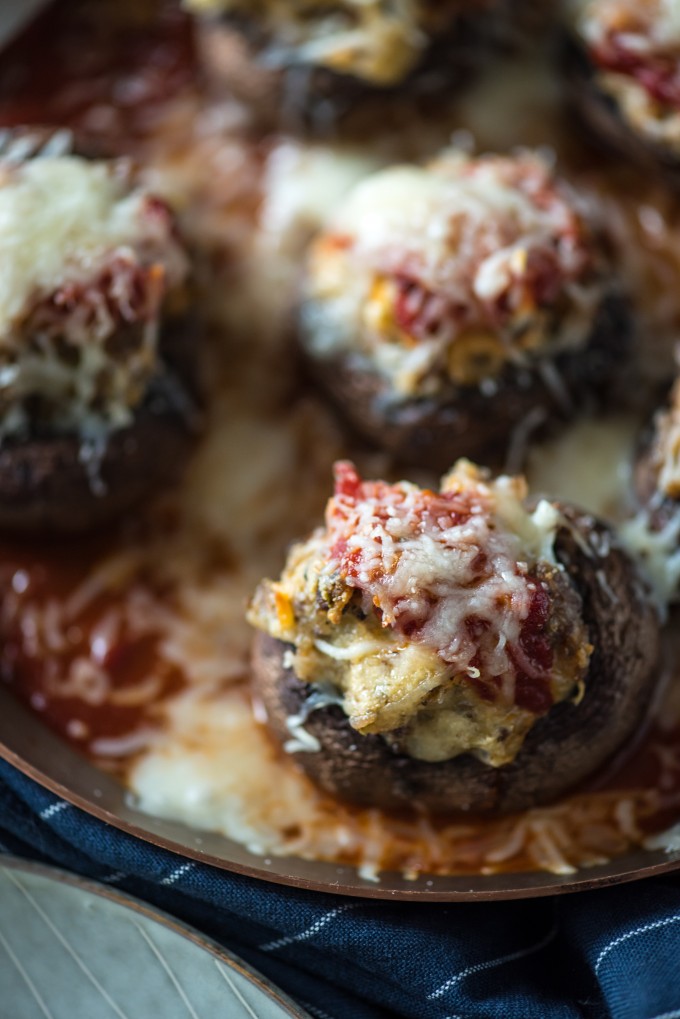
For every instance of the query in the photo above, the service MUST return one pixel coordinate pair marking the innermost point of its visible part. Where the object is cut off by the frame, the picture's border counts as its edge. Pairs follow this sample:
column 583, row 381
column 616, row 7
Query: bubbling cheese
column 446, row 272
column 85, row 256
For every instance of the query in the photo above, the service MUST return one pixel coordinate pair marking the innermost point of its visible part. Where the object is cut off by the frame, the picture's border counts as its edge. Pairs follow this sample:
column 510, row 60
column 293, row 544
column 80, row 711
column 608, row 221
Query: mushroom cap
column 564, row 747
column 602, row 116
column 472, row 421
column 61, row 483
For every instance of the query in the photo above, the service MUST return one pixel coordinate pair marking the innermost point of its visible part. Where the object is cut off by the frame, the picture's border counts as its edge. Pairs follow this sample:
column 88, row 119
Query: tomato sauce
column 103, row 68
column 71, row 654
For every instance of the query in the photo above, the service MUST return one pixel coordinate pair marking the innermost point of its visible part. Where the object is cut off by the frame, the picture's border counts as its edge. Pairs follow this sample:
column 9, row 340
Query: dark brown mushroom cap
column 563, row 748
column 58, row 483
column 603, row 118
column 315, row 99
column 475, row 422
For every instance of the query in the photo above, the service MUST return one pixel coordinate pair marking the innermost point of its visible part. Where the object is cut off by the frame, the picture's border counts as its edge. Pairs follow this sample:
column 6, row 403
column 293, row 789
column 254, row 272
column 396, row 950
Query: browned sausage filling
column 635, row 46
column 89, row 264
column 442, row 620
column 375, row 41
column 447, row 274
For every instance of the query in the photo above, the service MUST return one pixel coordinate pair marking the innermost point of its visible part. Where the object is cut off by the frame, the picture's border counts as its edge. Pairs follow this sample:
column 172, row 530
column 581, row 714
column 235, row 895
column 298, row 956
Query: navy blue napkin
column 611, row 953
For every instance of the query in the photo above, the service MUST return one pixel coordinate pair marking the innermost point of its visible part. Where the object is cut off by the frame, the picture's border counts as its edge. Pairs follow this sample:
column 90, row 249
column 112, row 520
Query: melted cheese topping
column 445, row 273
column 658, row 553
column 369, row 39
column 636, row 46
column 646, row 25
column 84, row 257
column 430, row 613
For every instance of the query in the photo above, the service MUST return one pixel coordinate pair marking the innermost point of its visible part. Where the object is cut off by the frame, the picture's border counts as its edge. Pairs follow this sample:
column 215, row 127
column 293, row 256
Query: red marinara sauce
column 70, row 655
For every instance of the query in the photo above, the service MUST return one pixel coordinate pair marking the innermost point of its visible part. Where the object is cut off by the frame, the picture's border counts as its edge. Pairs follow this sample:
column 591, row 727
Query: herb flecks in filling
column 444, row 275
column 442, row 618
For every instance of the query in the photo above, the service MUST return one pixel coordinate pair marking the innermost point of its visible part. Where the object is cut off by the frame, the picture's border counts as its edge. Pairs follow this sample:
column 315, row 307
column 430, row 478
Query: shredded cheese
column 409, row 598
column 445, row 273
column 84, row 256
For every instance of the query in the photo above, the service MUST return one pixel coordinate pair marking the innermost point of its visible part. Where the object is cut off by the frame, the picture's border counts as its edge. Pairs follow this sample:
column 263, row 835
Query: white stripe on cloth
column 669, row 1015
column 633, row 934
column 54, row 808
column 478, row 967
column 177, row 874
column 322, row 922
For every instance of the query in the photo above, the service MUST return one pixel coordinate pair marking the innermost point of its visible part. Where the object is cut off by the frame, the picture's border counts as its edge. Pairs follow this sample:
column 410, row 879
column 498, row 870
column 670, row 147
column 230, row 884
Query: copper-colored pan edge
column 26, row 744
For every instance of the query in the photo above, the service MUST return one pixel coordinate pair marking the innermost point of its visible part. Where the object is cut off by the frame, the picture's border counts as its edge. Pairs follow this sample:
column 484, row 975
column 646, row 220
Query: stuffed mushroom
column 312, row 60
column 454, row 650
column 97, row 353
column 654, row 534
column 448, row 309
column 622, row 58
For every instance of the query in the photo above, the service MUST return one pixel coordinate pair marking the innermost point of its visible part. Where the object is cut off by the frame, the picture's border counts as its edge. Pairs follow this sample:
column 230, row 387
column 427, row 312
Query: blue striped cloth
column 612, row 953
